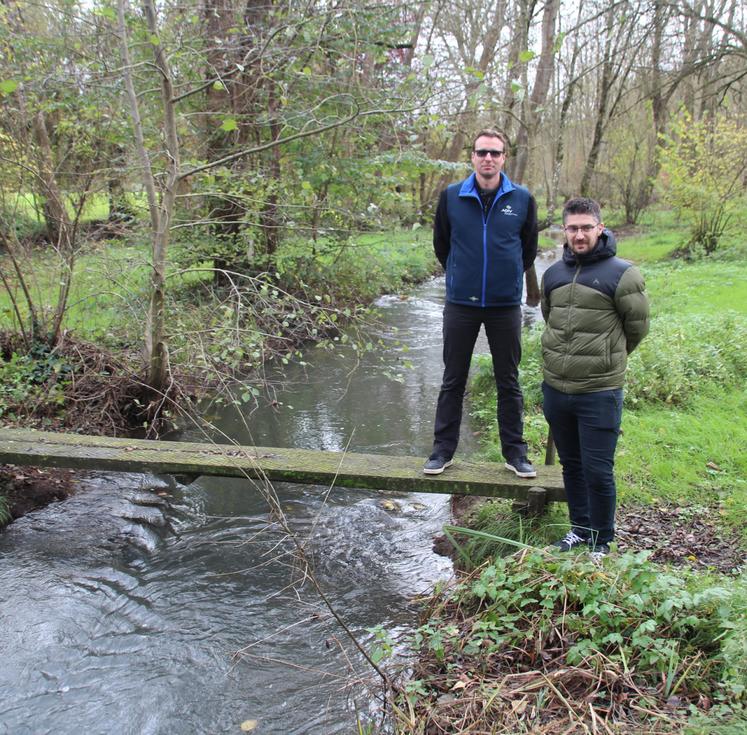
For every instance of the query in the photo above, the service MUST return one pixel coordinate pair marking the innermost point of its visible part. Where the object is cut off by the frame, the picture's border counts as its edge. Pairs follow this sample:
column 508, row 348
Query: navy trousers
column 585, row 427
column 460, row 329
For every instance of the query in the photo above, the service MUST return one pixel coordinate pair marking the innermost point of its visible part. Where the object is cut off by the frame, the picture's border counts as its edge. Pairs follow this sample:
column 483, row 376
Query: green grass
column 651, row 247
column 108, row 298
column 708, row 286
column 690, row 455
column 660, row 233
column 26, row 205
column 107, row 295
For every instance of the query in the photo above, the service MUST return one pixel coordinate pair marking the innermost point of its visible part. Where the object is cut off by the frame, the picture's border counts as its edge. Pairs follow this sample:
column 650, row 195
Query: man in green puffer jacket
column 596, row 311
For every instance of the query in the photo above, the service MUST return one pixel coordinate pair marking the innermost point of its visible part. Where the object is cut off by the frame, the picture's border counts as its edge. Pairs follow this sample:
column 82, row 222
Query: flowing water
column 150, row 605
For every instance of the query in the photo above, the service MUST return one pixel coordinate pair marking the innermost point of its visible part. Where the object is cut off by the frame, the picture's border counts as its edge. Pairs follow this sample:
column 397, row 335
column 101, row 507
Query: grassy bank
column 217, row 332
column 536, row 642
column 110, row 281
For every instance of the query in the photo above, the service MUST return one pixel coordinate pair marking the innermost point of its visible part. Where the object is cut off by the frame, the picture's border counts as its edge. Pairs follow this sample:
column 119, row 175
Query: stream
column 147, row 604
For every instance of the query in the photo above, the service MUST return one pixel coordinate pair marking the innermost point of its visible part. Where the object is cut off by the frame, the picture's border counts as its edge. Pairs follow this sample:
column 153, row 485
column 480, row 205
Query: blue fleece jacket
column 485, row 254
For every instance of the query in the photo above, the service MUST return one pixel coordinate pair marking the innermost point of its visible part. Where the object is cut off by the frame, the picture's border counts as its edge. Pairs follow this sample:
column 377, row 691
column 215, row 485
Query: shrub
column 702, row 169
column 40, row 376
column 540, row 636
column 679, row 357
column 682, row 355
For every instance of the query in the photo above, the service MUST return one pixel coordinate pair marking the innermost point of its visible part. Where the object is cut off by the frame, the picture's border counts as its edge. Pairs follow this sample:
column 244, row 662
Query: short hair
column 491, row 133
column 582, row 205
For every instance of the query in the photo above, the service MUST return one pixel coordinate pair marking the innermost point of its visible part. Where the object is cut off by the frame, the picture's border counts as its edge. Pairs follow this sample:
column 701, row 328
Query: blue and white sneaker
column 522, row 467
column 436, row 464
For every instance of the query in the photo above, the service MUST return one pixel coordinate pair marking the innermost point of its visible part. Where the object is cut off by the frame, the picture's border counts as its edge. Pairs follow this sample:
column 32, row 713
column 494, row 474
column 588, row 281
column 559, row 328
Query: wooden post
column 534, row 505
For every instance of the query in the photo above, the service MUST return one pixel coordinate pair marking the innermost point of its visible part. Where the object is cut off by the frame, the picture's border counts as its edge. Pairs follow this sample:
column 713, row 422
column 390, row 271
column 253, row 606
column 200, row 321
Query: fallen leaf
column 459, row 685
column 248, row 725
column 713, row 466
column 389, row 505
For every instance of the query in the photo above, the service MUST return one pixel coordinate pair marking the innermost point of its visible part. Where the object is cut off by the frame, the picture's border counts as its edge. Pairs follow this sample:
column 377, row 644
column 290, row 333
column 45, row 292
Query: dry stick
column 292, row 665
column 274, row 633
column 13, row 301
column 572, row 713
column 10, row 247
column 326, row 495
column 594, row 720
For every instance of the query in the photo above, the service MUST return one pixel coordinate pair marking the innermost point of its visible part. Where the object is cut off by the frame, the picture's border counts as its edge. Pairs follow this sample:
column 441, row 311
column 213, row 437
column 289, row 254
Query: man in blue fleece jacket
column 485, row 237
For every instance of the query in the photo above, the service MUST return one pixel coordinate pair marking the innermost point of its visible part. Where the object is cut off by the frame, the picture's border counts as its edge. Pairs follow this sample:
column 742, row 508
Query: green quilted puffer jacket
column 596, row 310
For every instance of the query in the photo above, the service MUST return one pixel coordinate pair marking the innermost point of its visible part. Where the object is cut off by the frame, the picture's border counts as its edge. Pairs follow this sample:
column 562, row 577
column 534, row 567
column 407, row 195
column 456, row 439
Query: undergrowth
column 544, row 643
column 75, row 386
column 678, row 357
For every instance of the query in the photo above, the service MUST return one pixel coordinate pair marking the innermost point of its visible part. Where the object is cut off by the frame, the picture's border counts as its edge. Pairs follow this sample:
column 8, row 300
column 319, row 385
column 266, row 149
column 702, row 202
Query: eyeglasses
column 575, row 229
column 482, row 152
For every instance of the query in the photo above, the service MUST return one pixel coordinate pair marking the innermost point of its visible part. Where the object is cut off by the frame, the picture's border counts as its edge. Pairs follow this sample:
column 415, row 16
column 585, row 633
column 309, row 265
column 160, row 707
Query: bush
column 681, row 355
column 36, row 377
column 702, row 169
column 624, row 641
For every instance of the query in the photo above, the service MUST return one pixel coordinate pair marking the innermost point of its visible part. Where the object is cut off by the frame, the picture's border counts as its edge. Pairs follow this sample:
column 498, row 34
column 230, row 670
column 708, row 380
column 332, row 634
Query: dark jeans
column 585, row 427
column 460, row 329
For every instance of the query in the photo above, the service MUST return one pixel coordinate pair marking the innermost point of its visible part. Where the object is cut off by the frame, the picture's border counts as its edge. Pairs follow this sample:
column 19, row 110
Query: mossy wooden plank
column 367, row 471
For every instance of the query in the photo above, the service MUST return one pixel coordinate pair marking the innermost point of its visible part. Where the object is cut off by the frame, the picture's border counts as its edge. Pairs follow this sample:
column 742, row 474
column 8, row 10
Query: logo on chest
column 508, row 211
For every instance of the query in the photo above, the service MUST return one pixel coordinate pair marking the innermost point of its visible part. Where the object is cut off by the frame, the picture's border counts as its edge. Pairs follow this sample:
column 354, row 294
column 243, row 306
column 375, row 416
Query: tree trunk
column 156, row 352
column 59, row 226
column 552, row 198
column 156, row 337
column 543, row 77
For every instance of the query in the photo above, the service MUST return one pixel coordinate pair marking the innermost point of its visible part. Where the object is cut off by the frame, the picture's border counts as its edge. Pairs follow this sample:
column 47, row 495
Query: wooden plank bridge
column 334, row 469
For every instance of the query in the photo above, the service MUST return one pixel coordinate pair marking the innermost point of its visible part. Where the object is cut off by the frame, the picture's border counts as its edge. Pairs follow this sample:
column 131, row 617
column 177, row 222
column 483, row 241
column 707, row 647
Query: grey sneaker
column 522, row 467
column 570, row 541
column 598, row 551
column 436, row 464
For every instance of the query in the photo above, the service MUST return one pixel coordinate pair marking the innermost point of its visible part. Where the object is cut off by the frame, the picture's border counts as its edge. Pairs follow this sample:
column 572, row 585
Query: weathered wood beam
column 353, row 470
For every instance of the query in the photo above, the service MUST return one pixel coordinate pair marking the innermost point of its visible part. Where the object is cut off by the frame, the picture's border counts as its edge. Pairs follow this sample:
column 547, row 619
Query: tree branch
column 282, row 141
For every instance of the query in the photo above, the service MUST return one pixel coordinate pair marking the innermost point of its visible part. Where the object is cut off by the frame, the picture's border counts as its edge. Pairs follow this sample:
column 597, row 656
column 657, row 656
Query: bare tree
column 533, row 108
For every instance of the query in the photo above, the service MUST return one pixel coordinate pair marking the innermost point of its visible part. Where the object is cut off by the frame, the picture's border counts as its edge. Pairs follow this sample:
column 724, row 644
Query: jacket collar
column 469, row 186
column 605, row 248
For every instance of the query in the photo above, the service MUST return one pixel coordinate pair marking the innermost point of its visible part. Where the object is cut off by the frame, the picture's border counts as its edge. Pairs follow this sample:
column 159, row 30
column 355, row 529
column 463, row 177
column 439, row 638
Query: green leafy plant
column 625, row 636
column 37, row 376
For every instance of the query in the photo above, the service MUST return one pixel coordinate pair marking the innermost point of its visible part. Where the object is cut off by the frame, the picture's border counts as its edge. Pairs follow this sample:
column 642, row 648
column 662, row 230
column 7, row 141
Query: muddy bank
column 28, row 488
